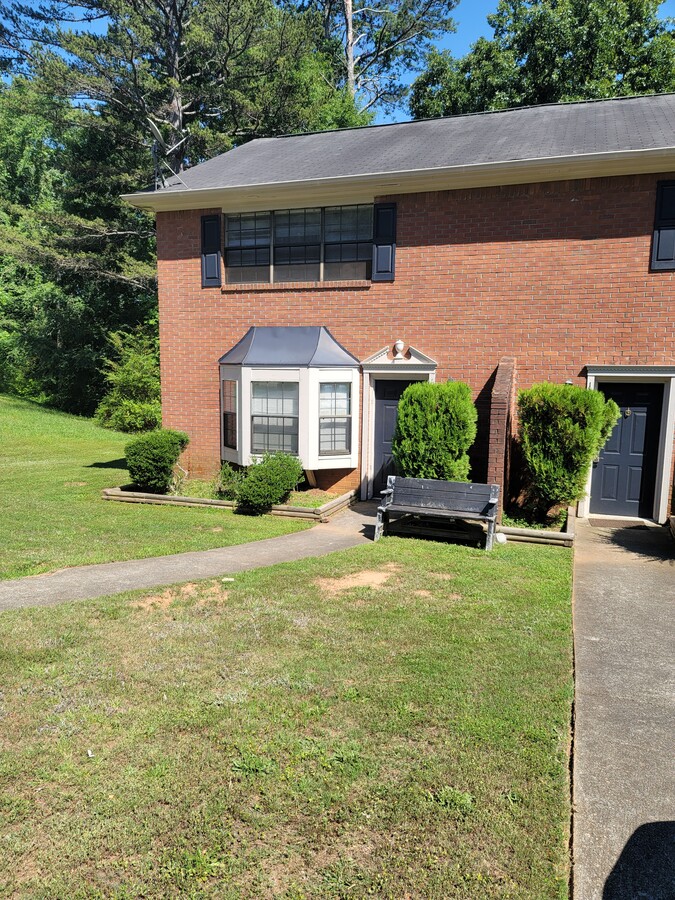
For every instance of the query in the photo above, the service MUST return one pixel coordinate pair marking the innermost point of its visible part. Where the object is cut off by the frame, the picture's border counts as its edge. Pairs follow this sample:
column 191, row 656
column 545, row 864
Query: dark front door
column 387, row 395
column 624, row 476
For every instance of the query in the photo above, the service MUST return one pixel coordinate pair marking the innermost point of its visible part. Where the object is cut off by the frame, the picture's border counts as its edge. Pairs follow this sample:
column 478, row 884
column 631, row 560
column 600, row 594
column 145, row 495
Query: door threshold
column 603, row 520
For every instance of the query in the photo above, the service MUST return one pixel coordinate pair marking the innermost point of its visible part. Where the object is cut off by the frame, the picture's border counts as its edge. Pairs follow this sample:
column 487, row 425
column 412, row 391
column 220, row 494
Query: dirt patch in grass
column 368, row 578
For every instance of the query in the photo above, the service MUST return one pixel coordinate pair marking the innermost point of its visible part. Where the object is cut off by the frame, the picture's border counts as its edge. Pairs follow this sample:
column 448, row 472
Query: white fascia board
column 364, row 188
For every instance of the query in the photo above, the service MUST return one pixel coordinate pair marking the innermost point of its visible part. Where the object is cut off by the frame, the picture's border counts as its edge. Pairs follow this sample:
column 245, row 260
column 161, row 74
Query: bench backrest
column 428, row 493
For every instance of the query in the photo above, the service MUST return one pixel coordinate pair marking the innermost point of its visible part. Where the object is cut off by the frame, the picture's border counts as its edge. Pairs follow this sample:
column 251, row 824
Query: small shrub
column 435, row 427
column 151, row 458
column 132, row 416
column 228, row 482
column 268, row 482
column 563, row 427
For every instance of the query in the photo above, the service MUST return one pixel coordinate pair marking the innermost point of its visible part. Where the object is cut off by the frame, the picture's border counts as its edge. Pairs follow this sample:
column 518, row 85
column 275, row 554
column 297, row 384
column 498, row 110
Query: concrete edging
column 313, row 514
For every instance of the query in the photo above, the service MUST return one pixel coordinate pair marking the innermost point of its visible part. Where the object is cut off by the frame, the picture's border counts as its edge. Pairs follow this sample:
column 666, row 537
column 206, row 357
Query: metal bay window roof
column 293, row 346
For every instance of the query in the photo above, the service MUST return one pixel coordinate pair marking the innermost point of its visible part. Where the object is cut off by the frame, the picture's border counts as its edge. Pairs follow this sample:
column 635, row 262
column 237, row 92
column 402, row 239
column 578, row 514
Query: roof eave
column 364, row 188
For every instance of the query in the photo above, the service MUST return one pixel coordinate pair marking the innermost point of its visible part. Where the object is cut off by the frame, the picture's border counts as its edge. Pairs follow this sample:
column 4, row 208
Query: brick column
column 502, row 426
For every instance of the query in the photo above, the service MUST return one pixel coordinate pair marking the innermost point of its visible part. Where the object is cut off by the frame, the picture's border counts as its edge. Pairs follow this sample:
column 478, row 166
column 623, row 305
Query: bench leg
column 379, row 525
column 489, row 540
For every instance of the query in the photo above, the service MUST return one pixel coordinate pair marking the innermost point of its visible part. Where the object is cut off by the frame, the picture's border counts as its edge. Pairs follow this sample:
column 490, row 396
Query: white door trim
column 664, row 375
column 414, row 366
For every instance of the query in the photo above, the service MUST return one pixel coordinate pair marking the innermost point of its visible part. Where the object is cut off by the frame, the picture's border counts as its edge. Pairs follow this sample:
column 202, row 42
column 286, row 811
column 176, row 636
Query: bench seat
column 435, row 498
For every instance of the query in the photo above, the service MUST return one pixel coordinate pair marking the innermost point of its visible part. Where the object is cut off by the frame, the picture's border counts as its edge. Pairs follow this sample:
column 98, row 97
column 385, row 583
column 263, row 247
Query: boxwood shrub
column 562, row 428
column 435, row 427
column 269, row 481
column 151, row 458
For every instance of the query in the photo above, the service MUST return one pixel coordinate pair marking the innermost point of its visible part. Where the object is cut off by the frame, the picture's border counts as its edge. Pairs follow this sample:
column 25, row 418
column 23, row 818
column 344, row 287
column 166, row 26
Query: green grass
column 52, row 470
column 295, row 735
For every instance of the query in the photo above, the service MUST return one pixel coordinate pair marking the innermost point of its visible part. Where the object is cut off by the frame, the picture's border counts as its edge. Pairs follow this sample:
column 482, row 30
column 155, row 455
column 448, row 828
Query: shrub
column 269, row 481
column 133, row 399
column 435, row 427
column 151, row 458
column 563, row 427
column 229, row 481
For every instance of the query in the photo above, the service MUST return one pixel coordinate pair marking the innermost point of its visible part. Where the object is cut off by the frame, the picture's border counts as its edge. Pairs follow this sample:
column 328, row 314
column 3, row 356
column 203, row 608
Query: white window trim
column 664, row 375
column 415, row 366
column 308, row 379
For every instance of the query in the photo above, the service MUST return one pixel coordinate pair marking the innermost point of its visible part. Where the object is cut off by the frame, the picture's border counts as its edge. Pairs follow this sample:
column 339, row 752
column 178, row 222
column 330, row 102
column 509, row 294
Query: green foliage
column 563, row 427
column 435, row 427
column 133, row 401
column 151, row 458
column 229, row 481
column 269, row 481
column 547, row 51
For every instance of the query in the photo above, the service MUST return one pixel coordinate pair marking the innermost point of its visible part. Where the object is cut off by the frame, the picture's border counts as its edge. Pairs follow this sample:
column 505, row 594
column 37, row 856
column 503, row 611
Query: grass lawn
column 390, row 721
column 52, row 470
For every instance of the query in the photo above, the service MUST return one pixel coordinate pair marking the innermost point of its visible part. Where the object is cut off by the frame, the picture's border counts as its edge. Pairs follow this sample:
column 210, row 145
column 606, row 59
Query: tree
column 547, row 51
column 378, row 44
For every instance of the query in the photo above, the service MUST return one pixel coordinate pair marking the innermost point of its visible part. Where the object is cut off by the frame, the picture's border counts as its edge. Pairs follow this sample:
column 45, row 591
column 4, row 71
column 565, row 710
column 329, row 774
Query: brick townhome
column 327, row 271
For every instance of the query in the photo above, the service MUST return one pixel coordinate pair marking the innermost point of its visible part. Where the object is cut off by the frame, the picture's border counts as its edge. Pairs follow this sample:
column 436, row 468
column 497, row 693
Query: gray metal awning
column 302, row 346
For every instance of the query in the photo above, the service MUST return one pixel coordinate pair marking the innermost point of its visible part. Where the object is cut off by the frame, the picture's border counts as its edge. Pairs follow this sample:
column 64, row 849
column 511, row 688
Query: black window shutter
column 663, row 242
column 211, row 251
column 384, row 241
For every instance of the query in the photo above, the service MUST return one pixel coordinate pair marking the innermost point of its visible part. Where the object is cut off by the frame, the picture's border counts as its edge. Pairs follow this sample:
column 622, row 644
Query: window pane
column 274, row 398
column 334, row 399
column 248, row 230
column 230, row 414
column 334, row 436
column 247, row 274
column 347, row 271
column 297, row 226
column 274, row 433
column 298, row 272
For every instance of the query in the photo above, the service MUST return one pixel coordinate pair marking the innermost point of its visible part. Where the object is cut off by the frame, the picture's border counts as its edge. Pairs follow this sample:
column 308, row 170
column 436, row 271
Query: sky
column 471, row 19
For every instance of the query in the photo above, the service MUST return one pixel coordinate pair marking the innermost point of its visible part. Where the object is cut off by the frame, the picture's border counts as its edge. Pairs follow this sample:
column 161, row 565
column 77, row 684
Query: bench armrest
column 387, row 491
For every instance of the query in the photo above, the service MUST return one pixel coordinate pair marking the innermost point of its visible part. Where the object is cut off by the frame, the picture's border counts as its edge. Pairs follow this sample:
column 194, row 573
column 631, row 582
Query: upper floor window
column 663, row 243
column 313, row 244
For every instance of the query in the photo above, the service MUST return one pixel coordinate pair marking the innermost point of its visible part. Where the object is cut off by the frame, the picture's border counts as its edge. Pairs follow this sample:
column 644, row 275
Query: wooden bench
column 447, row 499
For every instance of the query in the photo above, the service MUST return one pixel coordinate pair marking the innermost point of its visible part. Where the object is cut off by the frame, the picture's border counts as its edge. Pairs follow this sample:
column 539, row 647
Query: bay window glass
column 230, row 414
column 274, row 417
column 335, row 421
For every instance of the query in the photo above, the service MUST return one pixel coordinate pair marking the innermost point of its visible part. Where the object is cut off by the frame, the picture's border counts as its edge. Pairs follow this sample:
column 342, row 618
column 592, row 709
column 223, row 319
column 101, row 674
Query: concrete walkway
column 624, row 753
column 348, row 529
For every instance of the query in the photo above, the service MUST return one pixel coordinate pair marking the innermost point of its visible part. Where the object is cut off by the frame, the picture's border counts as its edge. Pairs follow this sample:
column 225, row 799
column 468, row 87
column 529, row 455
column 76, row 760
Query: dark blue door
column 624, row 476
column 387, row 395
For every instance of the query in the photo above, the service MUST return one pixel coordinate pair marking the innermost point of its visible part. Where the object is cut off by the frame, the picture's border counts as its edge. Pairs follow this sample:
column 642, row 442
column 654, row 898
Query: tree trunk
column 349, row 46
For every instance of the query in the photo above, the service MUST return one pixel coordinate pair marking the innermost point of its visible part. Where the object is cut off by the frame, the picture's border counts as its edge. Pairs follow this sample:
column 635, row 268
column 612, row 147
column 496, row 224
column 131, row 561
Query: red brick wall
column 556, row 275
column 501, row 428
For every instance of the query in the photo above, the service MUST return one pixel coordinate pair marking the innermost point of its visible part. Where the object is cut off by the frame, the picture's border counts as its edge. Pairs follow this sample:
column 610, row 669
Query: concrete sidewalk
column 348, row 529
column 624, row 770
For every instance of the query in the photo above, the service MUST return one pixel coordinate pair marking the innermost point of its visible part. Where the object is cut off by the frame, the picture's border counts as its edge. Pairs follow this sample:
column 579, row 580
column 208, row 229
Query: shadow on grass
column 110, row 464
column 646, row 867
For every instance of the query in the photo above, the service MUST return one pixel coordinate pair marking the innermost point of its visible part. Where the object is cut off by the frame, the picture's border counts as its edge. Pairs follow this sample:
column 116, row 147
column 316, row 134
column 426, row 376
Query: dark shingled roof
column 537, row 132
column 292, row 346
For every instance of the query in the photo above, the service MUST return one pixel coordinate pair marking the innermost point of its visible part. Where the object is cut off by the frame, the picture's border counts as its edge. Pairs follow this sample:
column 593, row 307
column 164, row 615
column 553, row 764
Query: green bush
column 151, row 458
column 269, row 481
column 133, row 400
column 229, row 481
column 563, row 427
column 435, row 427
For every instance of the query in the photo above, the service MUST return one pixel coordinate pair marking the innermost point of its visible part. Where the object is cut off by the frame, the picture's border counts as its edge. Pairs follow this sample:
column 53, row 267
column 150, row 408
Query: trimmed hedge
column 563, row 427
column 269, row 481
column 435, row 426
column 151, row 458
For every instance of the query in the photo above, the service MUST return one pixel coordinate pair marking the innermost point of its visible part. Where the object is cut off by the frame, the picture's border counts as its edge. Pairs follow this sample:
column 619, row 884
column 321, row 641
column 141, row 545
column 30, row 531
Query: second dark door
column 624, row 476
column 387, row 395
